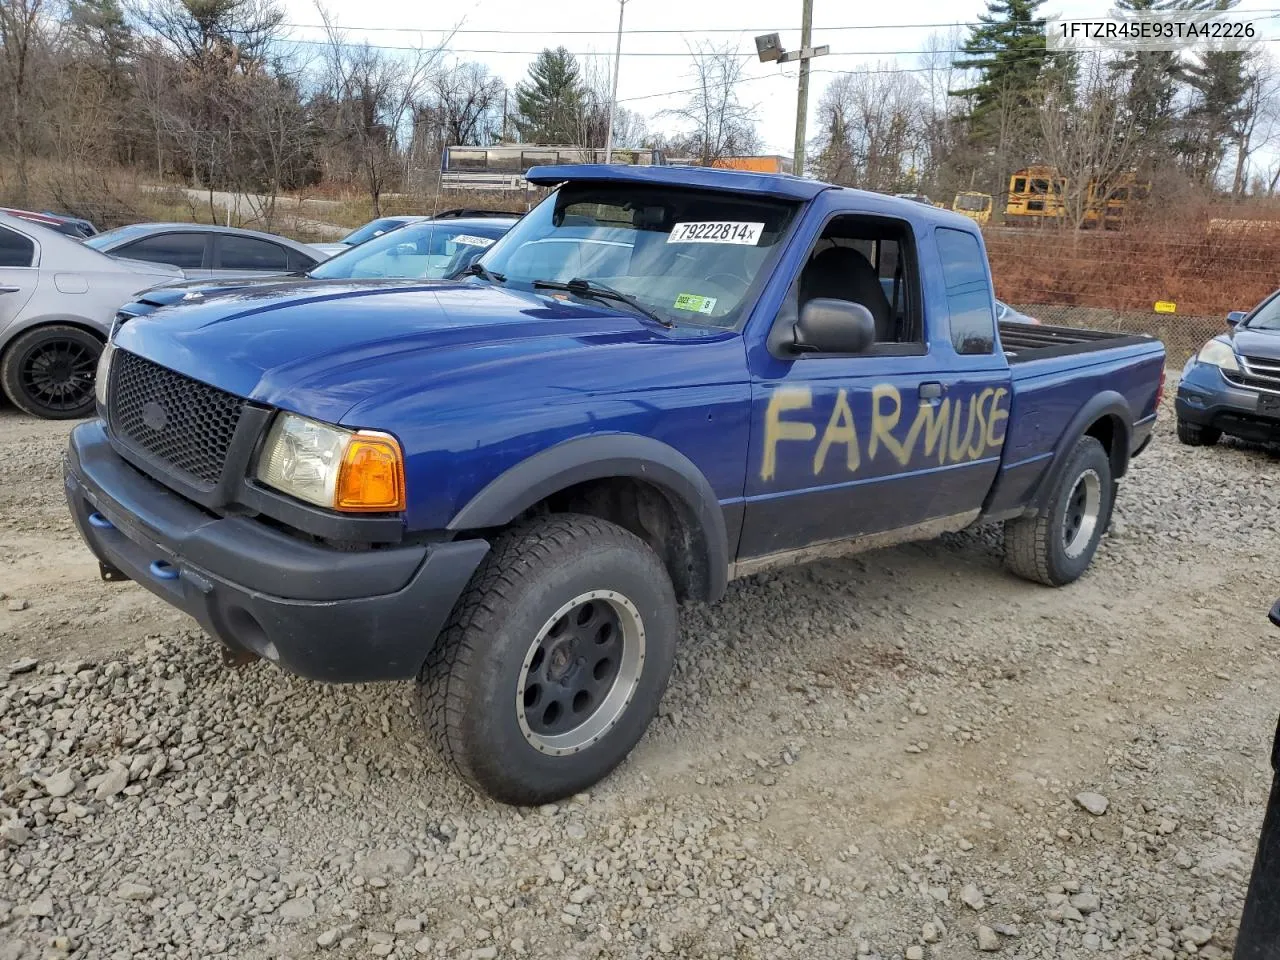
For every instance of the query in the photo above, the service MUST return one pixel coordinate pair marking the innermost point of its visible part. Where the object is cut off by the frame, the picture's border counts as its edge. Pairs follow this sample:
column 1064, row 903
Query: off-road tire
column 1197, row 435
column 14, row 369
column 467, row 688
column 1034, row 546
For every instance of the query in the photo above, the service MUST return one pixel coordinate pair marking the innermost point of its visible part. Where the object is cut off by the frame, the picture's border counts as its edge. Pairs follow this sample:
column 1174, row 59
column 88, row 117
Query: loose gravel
column 907, row 754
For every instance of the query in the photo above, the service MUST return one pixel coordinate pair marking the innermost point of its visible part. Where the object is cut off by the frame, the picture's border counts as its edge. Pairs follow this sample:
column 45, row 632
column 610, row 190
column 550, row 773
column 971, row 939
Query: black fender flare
column 1107, row 404
column 602, row 456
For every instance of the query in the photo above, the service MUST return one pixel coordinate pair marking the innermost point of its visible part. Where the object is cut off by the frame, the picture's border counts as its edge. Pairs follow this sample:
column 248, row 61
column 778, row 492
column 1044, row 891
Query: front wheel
column 1056, row 546
column 48, row 372
column 1197, row 435
column 554, row 660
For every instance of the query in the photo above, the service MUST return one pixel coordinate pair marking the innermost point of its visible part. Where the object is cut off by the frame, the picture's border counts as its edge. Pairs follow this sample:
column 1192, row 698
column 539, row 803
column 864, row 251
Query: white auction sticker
column 717, row 231
column 469, row 241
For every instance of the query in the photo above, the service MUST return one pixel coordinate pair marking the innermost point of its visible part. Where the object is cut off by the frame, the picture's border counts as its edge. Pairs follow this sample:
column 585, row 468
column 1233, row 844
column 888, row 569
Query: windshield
column 1267, row 316
column 685, row 254
column 428, row 250
column 970, row 202
column 375, row 228
column 112, row 238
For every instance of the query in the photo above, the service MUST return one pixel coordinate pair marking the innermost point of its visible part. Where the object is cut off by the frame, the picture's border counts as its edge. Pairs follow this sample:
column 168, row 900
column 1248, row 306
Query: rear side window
column 15, row 249
column 964, row 272
column 185, row 250
column 300, row 261
column 247, row 253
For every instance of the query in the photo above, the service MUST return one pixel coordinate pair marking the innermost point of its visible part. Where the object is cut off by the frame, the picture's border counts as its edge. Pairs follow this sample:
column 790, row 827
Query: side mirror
column 1235, row 316
column 834, row 326
column 1275, row 614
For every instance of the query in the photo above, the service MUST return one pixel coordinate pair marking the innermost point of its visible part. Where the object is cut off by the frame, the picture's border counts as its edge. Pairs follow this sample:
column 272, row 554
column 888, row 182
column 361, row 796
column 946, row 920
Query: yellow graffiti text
column 776, row 429
column 840, row 429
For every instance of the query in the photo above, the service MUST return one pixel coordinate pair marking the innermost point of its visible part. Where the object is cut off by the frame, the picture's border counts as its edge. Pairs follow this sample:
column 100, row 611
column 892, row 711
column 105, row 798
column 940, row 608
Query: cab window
column 969, row 304
column 868, row 260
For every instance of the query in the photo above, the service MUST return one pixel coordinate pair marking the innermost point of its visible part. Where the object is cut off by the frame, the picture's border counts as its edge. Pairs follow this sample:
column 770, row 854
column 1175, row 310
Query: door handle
column 930, row 391
column 10, row 289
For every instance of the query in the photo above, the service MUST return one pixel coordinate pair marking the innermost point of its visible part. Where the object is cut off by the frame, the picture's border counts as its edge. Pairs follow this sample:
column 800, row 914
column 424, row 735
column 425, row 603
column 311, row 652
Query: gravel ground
column 904, row 755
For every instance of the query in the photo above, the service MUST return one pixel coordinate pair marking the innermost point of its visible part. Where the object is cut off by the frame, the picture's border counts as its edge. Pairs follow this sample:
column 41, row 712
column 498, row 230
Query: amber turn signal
column 371, row 479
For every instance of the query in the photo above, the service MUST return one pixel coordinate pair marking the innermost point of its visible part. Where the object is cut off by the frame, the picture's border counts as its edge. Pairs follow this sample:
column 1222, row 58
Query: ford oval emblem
column 154, row 416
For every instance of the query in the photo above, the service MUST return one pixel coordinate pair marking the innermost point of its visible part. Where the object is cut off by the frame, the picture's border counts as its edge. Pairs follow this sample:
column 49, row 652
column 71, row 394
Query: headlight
column 103, row 373
column 355, row 471
column 1218, row 354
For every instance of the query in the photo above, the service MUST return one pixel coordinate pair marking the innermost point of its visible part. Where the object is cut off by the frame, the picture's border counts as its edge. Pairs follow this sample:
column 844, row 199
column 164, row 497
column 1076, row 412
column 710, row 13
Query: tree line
column 982, row 105
column 215, row 94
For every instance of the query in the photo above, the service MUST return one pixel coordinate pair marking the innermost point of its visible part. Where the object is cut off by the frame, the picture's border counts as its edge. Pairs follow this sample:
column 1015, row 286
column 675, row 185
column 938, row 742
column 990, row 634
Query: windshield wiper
column 478, row 269
column 590, row 288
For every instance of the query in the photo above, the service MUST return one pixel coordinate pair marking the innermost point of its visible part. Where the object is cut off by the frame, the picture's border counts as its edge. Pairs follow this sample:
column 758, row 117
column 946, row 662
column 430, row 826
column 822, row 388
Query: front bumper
column 1207, row 399
column 326, row 614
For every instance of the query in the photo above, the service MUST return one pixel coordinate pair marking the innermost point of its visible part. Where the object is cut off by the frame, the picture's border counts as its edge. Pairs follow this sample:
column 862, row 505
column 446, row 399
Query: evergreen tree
column 1220, row 81
column 1008, row 48
column 549, row 104
column 1155, row 77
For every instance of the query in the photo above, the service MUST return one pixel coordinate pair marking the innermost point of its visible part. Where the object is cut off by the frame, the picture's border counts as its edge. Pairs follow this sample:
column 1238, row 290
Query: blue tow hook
column 101, row 522
column 163, row 570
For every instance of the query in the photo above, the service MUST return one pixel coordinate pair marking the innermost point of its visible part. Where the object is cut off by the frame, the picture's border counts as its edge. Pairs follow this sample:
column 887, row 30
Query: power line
column 637, row 31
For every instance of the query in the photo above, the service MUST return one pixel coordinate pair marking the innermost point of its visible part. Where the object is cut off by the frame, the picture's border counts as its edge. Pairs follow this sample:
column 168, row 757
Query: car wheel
column 1196, row 435
column 48, row 372
column 1056, row 546
column 554, row 660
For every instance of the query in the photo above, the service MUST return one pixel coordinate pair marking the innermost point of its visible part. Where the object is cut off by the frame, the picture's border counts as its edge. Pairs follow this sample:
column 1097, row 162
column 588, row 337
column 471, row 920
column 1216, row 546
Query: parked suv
column 1232, row 385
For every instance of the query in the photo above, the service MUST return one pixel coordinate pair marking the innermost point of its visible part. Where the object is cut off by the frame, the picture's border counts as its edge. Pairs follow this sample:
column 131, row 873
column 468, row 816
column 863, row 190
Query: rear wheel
column 554, row 660
column 48, row 372
column 1197, row 435
column 1056, row 546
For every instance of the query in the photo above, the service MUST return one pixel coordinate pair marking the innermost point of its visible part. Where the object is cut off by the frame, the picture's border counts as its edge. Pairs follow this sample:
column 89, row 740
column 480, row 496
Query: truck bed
column 1023, row 342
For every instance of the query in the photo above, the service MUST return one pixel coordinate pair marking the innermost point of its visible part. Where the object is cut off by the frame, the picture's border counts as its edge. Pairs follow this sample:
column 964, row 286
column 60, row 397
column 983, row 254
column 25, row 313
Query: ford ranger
column 659, row 380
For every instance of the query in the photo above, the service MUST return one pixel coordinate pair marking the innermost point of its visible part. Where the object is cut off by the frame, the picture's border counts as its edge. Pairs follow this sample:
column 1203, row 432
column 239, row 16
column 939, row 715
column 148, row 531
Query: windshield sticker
column 469, row 241
column 717, row 231
column 694, row 303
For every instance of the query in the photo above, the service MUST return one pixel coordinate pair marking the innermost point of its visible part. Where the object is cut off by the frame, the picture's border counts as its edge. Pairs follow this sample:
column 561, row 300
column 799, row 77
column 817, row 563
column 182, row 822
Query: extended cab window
column 15, row 249
column 964, row 273
column 688, row 255
column 867, row 260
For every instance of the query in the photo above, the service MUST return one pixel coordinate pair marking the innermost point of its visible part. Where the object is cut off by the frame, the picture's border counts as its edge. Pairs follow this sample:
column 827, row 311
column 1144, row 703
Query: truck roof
column 782, row 185
column 712, row 178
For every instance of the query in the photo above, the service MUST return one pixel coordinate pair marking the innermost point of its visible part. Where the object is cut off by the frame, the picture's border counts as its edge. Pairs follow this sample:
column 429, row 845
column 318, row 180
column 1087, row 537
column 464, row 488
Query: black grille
column 171, row 417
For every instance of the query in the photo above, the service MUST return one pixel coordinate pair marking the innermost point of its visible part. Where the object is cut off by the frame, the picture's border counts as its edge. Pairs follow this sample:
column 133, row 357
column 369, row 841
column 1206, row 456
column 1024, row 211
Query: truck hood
column 1264, row 344
column 321, row 348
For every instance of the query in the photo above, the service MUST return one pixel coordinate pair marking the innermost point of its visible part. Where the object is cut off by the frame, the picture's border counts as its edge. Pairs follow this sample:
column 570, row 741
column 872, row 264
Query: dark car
column 1232, row 385
column 69, row 226
column 420, row 250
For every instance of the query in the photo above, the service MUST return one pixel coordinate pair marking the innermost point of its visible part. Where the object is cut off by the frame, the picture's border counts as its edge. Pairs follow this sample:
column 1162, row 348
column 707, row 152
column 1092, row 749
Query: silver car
column 58, row 298
column 206, row 252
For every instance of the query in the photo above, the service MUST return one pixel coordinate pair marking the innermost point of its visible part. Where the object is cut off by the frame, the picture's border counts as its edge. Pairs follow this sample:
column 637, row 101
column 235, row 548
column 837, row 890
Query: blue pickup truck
column 661, row 379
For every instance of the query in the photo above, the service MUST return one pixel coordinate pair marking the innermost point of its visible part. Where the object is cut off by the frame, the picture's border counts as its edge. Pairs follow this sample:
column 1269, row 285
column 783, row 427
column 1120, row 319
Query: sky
column 656, row 64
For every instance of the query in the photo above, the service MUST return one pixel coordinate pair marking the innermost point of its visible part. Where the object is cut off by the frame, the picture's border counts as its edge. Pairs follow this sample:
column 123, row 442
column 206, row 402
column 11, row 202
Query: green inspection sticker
column 695, row 303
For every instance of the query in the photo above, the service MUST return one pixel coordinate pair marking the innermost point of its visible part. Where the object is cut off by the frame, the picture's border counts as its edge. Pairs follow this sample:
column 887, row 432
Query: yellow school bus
column 1038, row 194
column 975, row 206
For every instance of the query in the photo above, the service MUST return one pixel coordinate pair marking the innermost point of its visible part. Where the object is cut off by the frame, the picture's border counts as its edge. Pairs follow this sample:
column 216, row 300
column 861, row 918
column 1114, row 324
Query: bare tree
column 871, row 129
column 1088, row 134
column 21, row 41
column 1258, row 127
column 723, row 126
column 466, row 104
column 370, row 95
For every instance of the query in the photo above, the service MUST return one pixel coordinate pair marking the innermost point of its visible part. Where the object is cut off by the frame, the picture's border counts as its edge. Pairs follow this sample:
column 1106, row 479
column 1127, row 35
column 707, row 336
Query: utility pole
column 769, row 48
column 802, row 101
column 613, row 97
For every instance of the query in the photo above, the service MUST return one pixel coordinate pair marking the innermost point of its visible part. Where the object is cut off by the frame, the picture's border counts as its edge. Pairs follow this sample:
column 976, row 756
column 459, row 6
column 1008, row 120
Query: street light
column 613, row 98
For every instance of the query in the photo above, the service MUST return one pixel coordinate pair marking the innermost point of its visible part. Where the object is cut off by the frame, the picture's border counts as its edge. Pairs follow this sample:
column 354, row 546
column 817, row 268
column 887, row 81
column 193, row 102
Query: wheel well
column 662, row 521
column 1106, row 431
